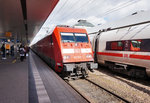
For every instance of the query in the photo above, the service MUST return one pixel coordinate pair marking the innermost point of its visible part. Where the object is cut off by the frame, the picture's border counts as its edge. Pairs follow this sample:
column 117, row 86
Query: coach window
column 67, row 37
column 81, row 37
column 116, row 45
column 120, row 45
column 135, row 45
column 113, row 45
column 108, row 46
column 145, row 45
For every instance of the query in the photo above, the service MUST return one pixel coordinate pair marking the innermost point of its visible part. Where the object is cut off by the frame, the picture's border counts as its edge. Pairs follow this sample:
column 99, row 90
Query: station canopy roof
column 24, row 18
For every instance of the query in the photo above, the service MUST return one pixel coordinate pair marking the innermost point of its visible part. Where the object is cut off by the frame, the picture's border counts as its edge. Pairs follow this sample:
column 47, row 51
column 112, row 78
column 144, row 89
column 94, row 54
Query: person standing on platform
column 3, row 51
column 22, row 52
column 7, row 48
column 26, row 51
column 12, row 50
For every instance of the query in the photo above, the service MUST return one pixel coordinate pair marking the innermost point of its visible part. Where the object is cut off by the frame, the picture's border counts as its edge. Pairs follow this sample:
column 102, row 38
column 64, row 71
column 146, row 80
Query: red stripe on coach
column 110, row 54
column 140, row 56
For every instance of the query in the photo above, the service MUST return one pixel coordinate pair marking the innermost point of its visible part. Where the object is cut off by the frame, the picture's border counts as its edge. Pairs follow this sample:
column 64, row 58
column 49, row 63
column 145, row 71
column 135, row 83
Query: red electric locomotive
column 67, row 50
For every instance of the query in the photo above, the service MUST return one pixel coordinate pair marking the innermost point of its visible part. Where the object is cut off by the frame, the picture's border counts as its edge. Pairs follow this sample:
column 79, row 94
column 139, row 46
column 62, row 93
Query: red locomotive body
column 67, row 50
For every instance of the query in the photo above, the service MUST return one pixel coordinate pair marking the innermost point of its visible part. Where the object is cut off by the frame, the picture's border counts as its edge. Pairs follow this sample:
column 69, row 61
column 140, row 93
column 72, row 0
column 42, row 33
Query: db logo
column 77, row 50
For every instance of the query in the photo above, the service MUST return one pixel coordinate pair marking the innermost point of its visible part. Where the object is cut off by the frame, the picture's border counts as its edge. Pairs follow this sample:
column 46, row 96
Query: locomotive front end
column 77, row 53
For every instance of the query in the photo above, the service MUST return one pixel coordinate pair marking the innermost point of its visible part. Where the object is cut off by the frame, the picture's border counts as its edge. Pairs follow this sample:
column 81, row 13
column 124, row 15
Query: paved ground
column 13, row 81
column 57, row 90
column 32, row 81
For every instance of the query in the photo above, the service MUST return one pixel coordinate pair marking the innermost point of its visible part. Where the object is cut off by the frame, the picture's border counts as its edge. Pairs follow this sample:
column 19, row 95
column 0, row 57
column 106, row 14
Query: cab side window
column 135, row 45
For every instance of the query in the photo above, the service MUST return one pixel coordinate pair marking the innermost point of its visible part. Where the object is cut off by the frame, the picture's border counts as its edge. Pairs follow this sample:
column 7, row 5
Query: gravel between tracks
column 94, row 93
column 130, row 90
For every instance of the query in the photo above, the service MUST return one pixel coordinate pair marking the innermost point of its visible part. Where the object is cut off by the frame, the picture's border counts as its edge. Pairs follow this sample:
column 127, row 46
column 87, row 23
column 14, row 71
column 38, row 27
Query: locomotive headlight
column 66, row 57
column 89, row 56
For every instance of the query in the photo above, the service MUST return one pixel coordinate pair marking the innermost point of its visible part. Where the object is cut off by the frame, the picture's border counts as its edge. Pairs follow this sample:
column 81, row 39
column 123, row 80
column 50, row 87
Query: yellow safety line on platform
column 14, row 61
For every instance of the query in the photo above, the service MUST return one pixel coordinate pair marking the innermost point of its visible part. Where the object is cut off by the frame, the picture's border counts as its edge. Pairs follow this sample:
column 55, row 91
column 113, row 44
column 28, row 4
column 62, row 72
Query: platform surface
column 13, row 80
column 33, row 81
column 57, row 90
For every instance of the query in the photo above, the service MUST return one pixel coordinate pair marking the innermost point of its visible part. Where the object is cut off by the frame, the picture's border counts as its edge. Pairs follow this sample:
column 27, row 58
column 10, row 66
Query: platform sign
column 8, row 34
column 7, row 46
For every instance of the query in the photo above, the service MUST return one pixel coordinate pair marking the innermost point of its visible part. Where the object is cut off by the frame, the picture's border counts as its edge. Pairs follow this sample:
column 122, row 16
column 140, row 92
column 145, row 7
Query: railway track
column 117, row 96
column 81, row 94
column 137, row 83
column 99, row 88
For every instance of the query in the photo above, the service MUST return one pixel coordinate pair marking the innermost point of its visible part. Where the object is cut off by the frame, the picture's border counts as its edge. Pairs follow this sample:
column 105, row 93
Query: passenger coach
column 126, row 50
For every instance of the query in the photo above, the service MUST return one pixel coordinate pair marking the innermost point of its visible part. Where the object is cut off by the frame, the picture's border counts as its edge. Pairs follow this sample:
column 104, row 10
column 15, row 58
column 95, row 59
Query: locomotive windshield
column 74, row 37
column 67, row 37
column 81, row 37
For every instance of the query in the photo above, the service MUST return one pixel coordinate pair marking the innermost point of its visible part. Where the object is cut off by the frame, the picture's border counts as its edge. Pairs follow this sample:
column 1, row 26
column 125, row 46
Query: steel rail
column 82, row 95
column 107, row 91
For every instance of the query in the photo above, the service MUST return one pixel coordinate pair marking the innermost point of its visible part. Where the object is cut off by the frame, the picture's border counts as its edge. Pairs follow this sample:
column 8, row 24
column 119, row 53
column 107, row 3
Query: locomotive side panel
column 48, row 53
column 57, row 50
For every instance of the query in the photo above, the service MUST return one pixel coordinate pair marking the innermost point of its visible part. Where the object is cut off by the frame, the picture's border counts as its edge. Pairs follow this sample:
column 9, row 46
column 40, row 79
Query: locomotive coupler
column 91, row 66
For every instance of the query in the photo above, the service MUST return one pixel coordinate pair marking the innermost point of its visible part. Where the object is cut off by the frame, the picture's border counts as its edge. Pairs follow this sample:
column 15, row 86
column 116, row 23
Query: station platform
column 13, row 80
column 32, row 81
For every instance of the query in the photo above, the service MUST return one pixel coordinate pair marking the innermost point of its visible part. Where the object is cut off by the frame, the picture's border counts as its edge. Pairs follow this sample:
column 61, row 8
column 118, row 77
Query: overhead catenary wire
column 121, row 6
column 67, row 15
column 90, row 2
column 62, row 8
column 71, row 5
column 82, row 6
column 58, row 10
column 107, row 12
column 76, row 10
